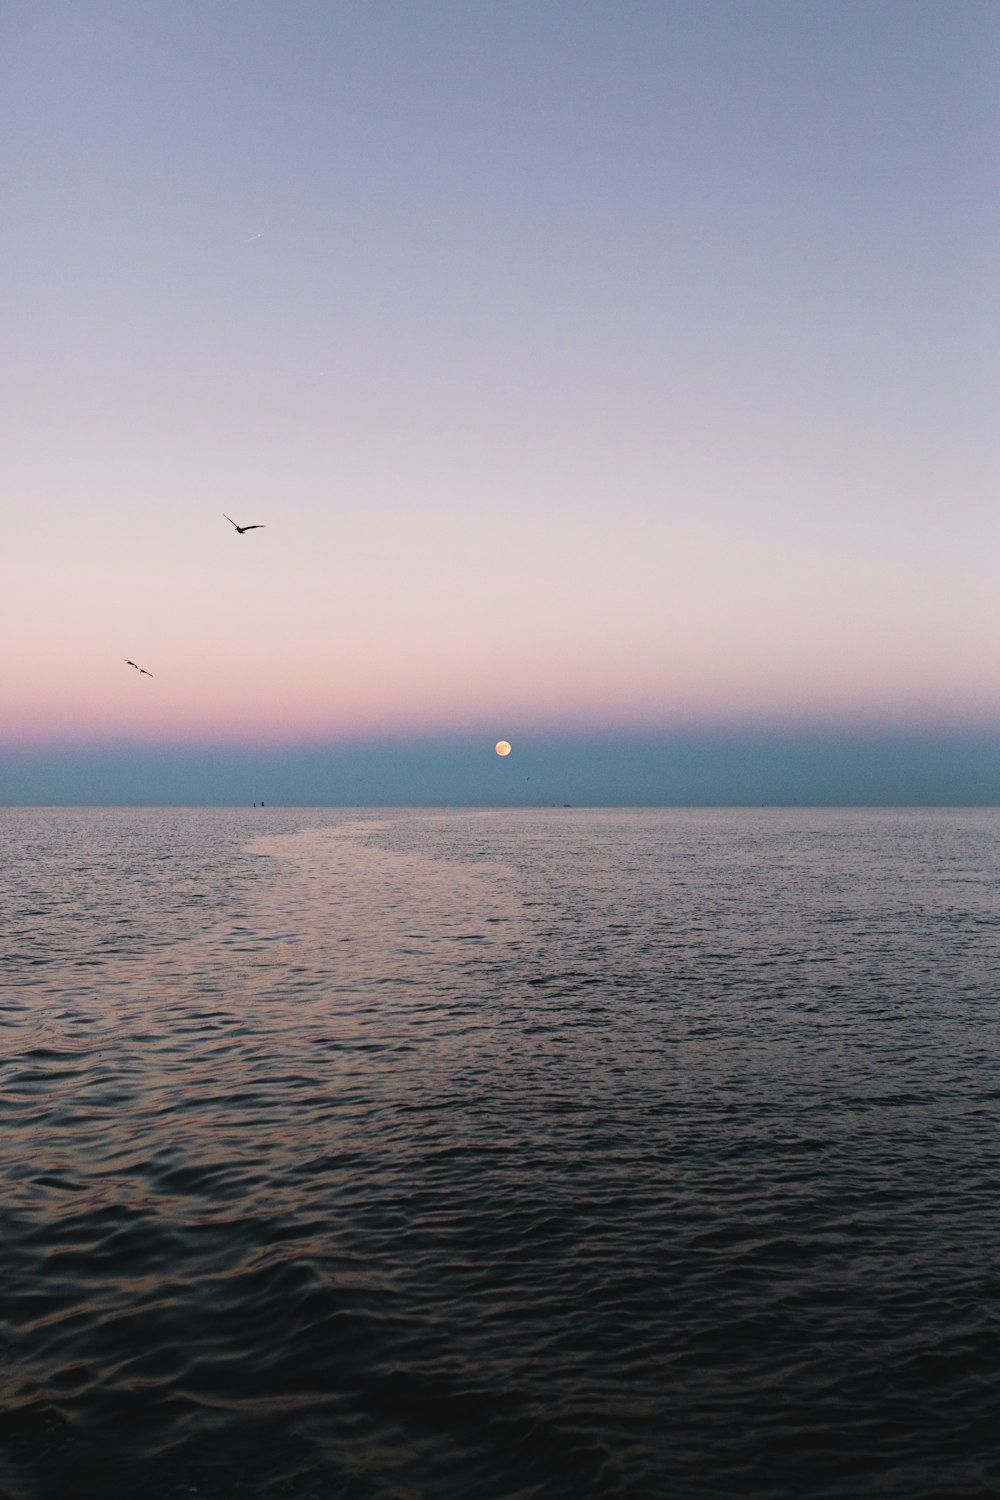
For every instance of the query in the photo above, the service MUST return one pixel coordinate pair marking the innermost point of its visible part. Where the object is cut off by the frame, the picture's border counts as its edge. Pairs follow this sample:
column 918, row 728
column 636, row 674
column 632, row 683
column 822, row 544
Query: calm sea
column 498, row 1155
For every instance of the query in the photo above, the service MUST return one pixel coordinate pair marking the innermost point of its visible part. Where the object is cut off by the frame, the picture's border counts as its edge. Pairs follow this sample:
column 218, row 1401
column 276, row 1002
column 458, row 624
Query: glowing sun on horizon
column 503, row 747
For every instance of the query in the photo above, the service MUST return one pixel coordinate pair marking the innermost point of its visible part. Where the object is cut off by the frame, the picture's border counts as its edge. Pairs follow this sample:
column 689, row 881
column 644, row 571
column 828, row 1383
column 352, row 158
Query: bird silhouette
column 257, row 526
column 138, row 668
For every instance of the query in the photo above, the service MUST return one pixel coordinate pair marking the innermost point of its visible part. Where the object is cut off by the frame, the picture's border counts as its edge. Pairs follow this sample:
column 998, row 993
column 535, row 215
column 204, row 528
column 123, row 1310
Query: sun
column 503, row 747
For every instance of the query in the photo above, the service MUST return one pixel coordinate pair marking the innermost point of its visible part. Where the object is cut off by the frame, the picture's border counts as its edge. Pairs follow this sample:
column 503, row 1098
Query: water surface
column 499, row 1154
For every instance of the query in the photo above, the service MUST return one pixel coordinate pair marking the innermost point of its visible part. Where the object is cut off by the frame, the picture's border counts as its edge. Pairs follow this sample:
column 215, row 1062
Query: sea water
column 502, row 1154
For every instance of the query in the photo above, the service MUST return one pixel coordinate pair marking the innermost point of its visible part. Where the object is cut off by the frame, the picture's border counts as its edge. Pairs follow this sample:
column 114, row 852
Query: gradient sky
column 598, row 369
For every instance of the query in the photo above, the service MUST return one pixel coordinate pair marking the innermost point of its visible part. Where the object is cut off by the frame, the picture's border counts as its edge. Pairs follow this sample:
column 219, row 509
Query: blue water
column 499, row 1154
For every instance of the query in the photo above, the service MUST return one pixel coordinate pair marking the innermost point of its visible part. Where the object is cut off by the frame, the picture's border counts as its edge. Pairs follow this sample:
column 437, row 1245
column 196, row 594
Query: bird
column 138, row 668
column 257, row 526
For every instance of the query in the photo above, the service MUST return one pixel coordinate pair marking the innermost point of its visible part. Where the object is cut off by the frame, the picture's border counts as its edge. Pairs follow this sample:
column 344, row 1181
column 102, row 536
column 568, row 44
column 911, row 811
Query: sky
column 618, row 379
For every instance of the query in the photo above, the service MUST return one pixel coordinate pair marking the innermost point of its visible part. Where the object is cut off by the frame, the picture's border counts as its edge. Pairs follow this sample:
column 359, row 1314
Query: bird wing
column 230, row 520
column 144, row 672
column 257, row 526
column 131, row 664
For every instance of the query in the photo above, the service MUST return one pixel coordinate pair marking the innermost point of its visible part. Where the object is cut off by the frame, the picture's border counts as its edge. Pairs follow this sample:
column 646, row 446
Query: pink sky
column 650, row 387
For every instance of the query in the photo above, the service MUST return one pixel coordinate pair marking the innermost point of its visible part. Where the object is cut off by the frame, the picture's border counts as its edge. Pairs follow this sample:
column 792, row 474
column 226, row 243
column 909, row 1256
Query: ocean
column 493, row 1155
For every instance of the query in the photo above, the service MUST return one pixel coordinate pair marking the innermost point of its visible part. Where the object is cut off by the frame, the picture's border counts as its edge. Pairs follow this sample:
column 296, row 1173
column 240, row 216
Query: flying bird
column 257, row 526
column 138, row 668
